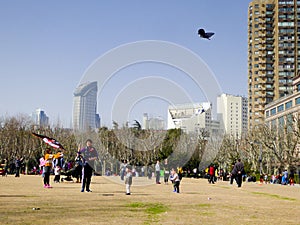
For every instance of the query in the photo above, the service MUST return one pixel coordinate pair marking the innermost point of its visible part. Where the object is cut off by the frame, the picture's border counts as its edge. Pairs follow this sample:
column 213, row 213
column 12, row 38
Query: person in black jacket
column 18, row 164
column 89, row 155
column 238, row 171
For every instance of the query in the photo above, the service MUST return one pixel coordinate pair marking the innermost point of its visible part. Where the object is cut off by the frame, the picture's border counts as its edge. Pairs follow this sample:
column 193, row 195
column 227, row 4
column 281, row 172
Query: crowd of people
column 14, row 166
column 82, row 169
column 128, row 171
column 283, row 178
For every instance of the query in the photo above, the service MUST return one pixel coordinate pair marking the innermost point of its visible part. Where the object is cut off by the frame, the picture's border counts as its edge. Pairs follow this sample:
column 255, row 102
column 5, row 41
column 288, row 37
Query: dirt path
column 198, row 203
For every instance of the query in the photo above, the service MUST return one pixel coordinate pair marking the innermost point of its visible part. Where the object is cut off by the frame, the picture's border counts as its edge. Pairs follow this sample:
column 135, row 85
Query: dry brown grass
column 148, row 204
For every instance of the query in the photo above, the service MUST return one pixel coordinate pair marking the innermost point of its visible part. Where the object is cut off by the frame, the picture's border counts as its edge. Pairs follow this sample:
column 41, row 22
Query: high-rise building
column 232, row 113
column 284, row 112
column 40, row 118
column 85, row 107
column 273, row 53
column 190, row 117
column 154, row 123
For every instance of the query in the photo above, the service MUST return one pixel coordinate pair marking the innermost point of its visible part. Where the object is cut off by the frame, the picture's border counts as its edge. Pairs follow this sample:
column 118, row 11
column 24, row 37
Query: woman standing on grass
column 47, row 168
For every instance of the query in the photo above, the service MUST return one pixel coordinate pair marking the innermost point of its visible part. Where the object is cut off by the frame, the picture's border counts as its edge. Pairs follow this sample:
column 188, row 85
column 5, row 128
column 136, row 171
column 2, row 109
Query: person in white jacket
column 175, row 180
column 128, row 179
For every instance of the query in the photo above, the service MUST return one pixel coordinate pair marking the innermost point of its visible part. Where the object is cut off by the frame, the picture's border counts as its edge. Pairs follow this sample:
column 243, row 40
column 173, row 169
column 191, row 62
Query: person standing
column 128, row 179
column 143, row 171
column 47, row 168
column 89, row 155
column 175, row 180
column 284, row 180
column 157, row 172
column 78, row 167
column 149, row 172
column 18, row 164
column 238, row 171
column 211, row 172
column 58, row 159
column 123, row 169
column 57, row 172
column 180, row 172
column 232, row 175
column 42, row 165
column 166, row 175
column 6, row 162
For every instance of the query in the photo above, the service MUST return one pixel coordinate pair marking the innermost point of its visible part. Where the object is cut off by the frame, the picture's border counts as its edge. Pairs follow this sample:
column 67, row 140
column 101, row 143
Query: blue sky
column 46, row 47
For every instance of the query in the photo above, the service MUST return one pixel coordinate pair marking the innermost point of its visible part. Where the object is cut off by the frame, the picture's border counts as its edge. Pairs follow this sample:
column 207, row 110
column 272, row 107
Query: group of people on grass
column 281, row 178
column 126, row 173
column 86, row 157
column 236, row 174
column 84, row 162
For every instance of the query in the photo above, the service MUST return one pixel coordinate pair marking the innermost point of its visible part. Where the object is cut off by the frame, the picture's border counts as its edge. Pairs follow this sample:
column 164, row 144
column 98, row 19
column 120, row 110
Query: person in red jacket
column 211, row 172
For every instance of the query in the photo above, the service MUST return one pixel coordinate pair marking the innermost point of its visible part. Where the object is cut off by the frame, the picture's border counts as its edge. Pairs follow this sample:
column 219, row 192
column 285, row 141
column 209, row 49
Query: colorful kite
column 50, row 141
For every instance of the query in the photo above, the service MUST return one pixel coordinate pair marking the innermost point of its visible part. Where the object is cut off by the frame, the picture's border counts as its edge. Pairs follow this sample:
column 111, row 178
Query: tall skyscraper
column 40, row 118
column 273, row 53
column 232, row 114
column 85, row 107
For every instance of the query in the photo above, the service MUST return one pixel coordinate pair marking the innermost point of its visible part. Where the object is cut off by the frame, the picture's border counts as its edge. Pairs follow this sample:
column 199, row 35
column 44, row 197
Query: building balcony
column 262, row 35
column 270, row 82
column 269, row 88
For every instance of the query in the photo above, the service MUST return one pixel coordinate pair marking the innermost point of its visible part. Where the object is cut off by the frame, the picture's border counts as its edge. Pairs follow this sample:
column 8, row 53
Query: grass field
column 198, row 202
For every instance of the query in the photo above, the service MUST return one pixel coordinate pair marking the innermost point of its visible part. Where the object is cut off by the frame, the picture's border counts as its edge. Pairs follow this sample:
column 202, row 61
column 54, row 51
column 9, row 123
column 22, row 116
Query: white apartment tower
column 232, row 114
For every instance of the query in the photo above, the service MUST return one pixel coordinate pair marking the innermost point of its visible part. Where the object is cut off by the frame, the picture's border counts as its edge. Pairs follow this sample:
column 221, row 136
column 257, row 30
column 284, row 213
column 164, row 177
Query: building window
column 288, row 105
column 281, row 122
column 297, row 101
column 273, row 124
column 280, row 108
column 289, row 122
column 273, row 111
